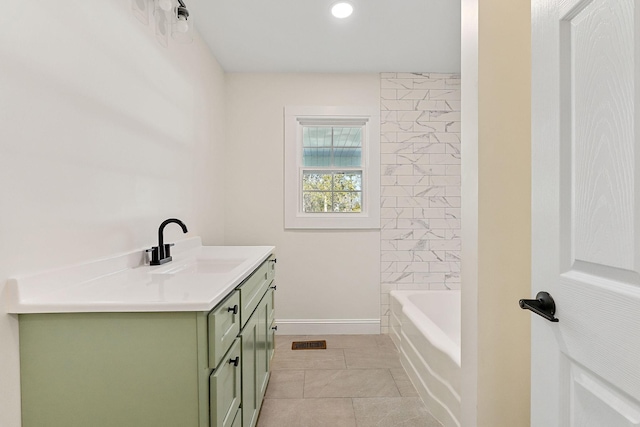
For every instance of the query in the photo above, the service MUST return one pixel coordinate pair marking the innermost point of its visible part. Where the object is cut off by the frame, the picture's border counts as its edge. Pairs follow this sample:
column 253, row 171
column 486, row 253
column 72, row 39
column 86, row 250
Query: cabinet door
column 238, row 421
column 271, row 322
column 225, row 386
column 255, row 362
column 250, row 402
column 262, row 352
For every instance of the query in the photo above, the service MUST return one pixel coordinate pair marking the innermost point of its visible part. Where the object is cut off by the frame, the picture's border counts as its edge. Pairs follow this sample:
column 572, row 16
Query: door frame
column 496, row 187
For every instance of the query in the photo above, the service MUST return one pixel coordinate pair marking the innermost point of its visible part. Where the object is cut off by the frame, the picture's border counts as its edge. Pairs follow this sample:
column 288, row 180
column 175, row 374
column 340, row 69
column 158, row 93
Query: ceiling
column 302, row 35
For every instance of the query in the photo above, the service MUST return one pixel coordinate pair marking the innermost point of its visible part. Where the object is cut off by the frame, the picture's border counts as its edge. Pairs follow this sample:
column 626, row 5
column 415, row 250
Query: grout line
column 304, row 382
column 395, row 383
column 353, row 407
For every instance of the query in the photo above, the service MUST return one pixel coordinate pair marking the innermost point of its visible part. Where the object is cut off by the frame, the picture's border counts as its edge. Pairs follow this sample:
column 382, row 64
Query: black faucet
column 161, row 254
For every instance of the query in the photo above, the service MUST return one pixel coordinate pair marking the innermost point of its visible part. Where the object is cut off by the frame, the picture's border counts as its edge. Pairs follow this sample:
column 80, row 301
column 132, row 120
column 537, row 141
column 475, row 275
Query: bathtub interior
column 443, row 309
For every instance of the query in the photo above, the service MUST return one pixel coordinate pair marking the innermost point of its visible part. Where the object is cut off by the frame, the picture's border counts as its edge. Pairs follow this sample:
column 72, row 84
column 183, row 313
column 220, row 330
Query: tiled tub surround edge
column 420, row 184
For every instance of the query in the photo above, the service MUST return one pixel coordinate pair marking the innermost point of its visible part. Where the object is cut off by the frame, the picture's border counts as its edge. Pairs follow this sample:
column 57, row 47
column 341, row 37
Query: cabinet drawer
column 225, row 389
column 252, row 290
column 224, row 325
column 272, row 267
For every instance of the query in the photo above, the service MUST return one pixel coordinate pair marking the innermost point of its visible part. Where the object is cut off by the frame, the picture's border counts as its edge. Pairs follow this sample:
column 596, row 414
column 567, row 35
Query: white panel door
column 586, row 213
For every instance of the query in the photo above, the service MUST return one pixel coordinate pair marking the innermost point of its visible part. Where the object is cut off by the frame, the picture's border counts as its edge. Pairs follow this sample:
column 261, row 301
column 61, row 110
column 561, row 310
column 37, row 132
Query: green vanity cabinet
column 161, row 369
column 113, row 369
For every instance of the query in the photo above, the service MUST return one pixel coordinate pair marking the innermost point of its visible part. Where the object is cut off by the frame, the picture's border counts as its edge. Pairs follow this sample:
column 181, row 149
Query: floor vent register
column 309, row 345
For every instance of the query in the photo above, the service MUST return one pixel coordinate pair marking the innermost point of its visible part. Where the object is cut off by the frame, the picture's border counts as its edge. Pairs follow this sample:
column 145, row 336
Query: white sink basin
column 201, row 266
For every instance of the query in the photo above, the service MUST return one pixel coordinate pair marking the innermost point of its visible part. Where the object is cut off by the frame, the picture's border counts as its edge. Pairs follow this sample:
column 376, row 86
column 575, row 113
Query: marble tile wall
column 420, row 194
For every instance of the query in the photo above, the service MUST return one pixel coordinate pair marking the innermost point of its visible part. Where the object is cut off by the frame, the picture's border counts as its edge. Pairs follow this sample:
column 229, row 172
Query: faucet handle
column 154, row 254
column 167, row 249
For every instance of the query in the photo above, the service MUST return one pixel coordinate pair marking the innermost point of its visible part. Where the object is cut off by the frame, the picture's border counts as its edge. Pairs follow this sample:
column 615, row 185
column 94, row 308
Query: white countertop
column 198, row 278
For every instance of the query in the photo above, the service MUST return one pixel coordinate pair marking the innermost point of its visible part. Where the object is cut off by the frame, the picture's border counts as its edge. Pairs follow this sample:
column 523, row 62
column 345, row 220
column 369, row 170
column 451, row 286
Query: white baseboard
column 328, row 326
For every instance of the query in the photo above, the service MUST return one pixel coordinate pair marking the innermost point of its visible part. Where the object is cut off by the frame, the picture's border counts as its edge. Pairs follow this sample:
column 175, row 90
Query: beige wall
column 104, row 134
column 323, row 275
column 496, row 198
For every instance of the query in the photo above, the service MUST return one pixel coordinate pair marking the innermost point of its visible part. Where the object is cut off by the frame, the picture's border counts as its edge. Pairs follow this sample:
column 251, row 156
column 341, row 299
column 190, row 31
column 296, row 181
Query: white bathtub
column 425, row 326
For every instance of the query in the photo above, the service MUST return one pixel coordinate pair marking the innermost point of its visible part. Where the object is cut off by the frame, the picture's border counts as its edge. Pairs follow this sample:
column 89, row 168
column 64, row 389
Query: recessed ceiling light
column 342, row 10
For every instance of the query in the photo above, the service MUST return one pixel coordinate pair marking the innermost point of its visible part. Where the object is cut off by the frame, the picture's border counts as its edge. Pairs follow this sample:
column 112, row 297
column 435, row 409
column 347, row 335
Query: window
column 332, row 162
column 331, row 169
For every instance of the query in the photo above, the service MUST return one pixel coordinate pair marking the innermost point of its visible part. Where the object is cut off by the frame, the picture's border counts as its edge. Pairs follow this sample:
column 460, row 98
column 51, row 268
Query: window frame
column 295, row 118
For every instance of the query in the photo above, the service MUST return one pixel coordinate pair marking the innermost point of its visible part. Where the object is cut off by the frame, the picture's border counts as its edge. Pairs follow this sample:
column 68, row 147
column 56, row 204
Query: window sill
column 331, row 221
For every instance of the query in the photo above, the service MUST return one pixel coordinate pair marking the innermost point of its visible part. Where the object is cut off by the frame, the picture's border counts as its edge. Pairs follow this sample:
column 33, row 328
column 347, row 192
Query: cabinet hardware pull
column 234, row 309
column 275, row 328
column 235, row 361
column 275, row 260
column 273, row 287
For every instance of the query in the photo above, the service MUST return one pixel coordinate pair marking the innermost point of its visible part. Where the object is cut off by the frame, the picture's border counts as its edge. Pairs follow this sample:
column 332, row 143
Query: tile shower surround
column 420, row 183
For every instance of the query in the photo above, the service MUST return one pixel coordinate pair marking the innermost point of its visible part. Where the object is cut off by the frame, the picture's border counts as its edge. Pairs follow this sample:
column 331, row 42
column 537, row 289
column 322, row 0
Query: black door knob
column 543, row 305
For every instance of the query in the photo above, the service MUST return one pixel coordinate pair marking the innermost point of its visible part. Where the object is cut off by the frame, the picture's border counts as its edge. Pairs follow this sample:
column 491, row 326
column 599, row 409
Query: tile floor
column 356, row 382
